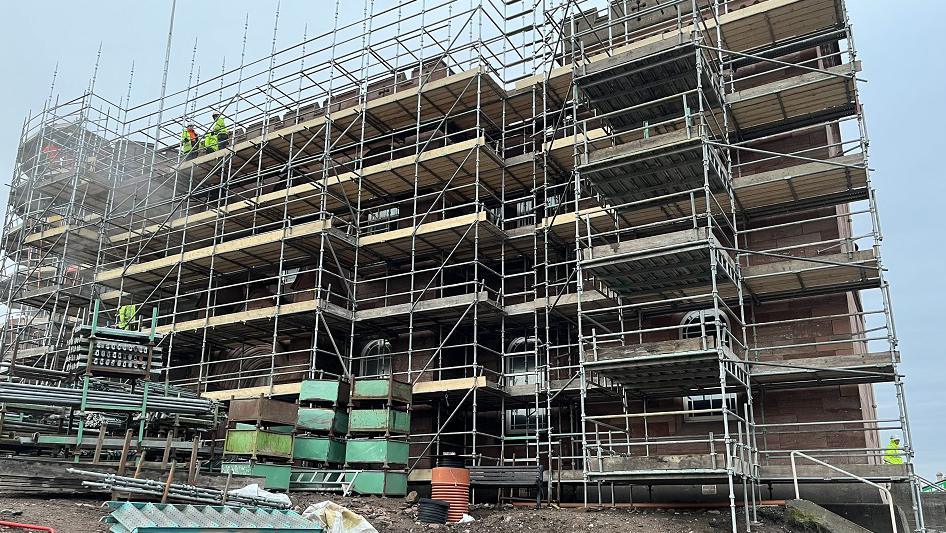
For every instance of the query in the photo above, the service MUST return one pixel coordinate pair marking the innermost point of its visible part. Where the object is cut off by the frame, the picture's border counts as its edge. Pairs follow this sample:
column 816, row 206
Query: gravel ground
column 83, row 515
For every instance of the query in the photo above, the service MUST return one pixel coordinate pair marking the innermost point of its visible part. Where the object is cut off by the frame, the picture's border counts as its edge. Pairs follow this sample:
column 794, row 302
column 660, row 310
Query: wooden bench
column 510, row 476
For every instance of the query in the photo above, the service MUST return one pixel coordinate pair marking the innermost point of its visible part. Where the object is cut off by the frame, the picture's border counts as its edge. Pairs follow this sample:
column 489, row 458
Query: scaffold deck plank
column 666, row 368
column 54, row 296
column 75, row 243
column 457, row 165
column 826, row 370
column 444, row 308
column 237, row 254
column 769, row 22
column 813, row 473
column 264, row 248
column 794, row 277
column 618, row 266
column 436, row 235
column 420, row 388
column 261, row 314
column 813, row 184
column 665, row 262
column 566, row 303
column 666, row 468
column 805, row 98
column 56, row 186
column 835, row 180
column 432, row 309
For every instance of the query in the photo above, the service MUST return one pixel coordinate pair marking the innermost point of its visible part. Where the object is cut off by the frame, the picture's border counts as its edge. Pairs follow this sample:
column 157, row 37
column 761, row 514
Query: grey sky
column 899, row 47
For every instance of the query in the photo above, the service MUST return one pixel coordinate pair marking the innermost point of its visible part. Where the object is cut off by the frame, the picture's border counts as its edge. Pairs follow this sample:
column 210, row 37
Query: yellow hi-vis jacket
column 219, row 127
column 211, row 142
column 186, row 143
column 126, row 314
column 892, row 454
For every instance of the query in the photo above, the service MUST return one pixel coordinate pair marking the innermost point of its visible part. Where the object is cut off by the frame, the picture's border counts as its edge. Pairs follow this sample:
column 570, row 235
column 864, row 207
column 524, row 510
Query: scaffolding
column 627, row 242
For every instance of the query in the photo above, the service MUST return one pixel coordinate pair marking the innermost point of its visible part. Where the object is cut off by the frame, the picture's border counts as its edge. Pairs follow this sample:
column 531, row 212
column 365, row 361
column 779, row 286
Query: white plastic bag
column 337, row 519
column 255, row 491
column 466, row 519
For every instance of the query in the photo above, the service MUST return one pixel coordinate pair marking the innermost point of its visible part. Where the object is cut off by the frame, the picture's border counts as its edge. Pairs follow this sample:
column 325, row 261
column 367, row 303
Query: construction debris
column 337, row 519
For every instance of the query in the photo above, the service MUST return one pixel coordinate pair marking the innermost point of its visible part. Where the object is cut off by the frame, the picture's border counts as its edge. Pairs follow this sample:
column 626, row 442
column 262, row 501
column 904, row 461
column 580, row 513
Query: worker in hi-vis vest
column 188, row 140
column 892, row 454
column 126, row 314
column 219, row 129
column 211, row 143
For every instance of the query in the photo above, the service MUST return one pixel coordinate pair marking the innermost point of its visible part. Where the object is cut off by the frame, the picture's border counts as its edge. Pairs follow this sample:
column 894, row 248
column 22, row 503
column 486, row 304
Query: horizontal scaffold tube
column 176, row 491
column 23, row 393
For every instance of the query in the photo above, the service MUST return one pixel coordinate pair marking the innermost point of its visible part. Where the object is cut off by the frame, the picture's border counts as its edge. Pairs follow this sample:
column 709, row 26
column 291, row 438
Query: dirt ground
column 63, row 514
column 394, row 515
column 83, row 515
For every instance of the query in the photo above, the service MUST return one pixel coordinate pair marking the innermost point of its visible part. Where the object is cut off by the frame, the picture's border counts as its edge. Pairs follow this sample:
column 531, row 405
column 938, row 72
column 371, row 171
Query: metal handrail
column 925, row 483
column 885, row 493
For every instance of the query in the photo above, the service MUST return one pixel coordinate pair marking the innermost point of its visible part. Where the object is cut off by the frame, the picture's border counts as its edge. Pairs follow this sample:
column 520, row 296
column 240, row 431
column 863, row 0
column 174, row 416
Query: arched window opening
column 375, row 359
column 523, row 358
column 696, row 324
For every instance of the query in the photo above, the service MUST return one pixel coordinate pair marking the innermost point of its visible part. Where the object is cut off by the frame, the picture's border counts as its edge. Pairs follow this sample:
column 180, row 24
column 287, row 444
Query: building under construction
column 635, row 243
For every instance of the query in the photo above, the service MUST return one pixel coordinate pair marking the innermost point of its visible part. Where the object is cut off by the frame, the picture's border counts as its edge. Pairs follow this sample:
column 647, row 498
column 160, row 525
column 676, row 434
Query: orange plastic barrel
column 451, row 485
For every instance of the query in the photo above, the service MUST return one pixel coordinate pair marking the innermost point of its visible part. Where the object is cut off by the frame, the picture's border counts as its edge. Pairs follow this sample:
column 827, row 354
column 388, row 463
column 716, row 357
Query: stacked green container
column 322, row 422
column 260, row 439
column 379, row 423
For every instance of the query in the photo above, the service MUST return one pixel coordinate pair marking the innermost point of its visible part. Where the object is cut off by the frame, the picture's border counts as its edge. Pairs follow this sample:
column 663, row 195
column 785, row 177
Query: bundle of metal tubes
column 25, row 426
column 31, row 372
column 176, row 491
column 62, row 397
column 93, row 421
column 153, row 388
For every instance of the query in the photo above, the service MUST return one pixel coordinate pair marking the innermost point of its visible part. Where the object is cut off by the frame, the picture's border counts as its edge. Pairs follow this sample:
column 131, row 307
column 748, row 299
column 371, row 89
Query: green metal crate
column 324, row 390
column 383, row 483
column 324, row 449
column 258, row 443
column 389, row 421
column 386, row 452
column 275, row 476
column 325, row 419
column 377, row 390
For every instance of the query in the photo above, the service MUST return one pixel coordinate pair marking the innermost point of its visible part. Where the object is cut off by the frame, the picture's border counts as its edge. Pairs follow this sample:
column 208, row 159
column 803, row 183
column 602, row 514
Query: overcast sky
column 900, row 49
